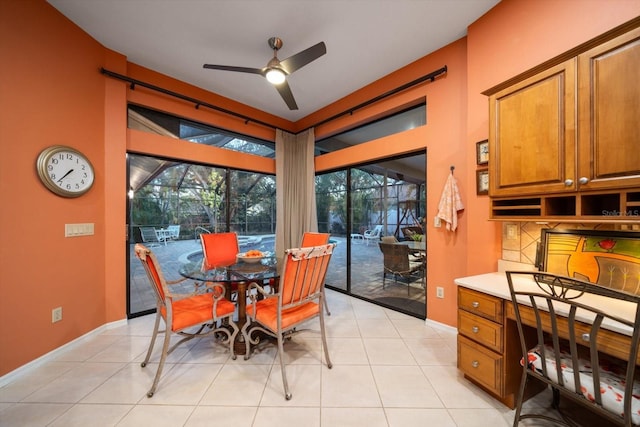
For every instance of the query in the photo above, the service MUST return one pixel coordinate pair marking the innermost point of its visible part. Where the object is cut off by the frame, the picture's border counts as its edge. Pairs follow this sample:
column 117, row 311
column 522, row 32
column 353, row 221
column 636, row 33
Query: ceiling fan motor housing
column 275, row 43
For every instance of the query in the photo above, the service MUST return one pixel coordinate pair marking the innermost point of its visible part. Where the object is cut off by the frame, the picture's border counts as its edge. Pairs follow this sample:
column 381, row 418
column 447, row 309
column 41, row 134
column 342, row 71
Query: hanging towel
column 450, row 204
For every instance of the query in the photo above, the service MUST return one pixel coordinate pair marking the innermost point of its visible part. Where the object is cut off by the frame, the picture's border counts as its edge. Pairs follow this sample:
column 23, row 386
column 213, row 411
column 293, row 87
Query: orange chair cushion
column 197, row 310
column 267, row 313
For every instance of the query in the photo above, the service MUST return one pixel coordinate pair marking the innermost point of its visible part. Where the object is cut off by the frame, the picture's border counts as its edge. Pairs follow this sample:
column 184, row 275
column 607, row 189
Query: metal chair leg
column 287, row 394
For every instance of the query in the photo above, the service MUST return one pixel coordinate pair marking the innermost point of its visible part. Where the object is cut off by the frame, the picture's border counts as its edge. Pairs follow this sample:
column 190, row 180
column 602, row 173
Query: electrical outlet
column 439, row 292
column 56, row 314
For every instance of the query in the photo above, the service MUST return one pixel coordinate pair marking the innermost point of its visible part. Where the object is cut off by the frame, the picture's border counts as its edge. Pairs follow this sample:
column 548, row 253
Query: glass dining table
column 236, row 277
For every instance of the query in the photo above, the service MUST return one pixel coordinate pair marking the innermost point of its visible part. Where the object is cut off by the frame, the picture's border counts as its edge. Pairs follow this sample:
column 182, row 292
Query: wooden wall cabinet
column 564, row 138
column 532, row 134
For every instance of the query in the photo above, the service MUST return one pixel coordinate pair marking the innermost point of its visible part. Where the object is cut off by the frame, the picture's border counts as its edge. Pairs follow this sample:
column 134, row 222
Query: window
column 148, row 120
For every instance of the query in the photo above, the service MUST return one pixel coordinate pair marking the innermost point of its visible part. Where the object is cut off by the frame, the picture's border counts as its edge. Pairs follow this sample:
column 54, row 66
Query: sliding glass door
column 361, row 207
column 171, row 203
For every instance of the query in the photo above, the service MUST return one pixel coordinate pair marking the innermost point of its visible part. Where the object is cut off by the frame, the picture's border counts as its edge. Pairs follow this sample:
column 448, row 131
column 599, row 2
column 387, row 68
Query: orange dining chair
column 299, row 299
column 185, row 314
column 316, row 239
column 220, row 250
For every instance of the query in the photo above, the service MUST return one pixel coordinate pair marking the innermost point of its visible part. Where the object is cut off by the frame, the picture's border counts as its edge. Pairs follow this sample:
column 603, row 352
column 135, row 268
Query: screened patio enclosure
column 200, row 198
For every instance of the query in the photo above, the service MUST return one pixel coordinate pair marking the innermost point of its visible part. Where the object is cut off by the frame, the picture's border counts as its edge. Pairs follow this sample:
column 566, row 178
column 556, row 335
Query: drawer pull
column 475, row 304
column 586, row 337
column 475, row 329
column 475, row 363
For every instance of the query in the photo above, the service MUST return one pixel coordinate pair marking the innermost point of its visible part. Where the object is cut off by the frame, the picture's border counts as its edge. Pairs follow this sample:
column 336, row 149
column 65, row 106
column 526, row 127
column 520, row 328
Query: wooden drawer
column 480, row 364
column 480, row 330
column 484, row 305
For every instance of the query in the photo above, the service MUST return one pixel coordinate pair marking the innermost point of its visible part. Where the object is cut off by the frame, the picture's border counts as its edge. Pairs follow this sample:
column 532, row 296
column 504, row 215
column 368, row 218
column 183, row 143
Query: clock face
column 65, row 171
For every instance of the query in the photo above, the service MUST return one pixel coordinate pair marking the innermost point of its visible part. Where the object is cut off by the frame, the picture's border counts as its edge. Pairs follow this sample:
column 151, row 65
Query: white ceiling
column 365, row 39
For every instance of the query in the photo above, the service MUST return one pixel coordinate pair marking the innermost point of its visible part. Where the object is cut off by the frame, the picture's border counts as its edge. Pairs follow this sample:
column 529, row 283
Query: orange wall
column 52, row 93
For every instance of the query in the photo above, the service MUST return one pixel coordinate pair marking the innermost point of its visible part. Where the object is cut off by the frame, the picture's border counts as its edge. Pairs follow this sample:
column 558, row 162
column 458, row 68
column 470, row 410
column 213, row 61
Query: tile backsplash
column 520, row 239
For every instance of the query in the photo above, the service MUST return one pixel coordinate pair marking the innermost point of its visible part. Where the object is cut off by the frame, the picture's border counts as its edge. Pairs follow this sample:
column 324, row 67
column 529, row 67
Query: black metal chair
column 565, row 328
column 397, row 261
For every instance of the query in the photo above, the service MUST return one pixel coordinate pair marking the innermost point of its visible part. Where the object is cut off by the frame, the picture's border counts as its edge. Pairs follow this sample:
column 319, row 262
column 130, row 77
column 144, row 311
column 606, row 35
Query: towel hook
column 452, row 168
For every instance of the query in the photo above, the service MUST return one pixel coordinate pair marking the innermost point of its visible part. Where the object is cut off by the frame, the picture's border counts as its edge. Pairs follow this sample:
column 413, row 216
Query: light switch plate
column 75, row 230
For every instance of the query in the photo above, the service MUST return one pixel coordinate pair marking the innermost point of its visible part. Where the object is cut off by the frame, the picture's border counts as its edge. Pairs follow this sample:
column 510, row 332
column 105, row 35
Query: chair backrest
column 570, row 319
column 219, row 249
column 154, row 273
column 314, row 239
column 174, row 230
column 303, row 274
column 148, row 234
column 395, row 257
column 389, row 239
column 376, row 231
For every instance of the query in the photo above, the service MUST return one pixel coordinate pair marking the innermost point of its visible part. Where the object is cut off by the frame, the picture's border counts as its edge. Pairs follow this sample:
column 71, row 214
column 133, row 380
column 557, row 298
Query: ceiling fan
column 276, row 71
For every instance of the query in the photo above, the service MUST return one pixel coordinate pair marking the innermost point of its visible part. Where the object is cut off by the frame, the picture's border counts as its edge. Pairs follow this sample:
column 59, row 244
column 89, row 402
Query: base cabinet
column 488, row 345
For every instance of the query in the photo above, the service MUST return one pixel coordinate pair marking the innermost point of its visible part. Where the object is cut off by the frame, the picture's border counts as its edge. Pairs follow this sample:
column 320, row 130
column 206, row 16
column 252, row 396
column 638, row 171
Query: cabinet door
column 532, row 135
column 609, row 114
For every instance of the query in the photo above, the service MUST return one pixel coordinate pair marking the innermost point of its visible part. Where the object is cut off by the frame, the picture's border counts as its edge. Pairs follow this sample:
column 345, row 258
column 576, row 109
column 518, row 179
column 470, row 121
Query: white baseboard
column 24, row 369
column 441, row 326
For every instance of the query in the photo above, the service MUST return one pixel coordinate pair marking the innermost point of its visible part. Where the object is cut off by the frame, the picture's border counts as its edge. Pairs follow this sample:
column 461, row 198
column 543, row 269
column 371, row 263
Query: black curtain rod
column 197, row 102
column 431, row 76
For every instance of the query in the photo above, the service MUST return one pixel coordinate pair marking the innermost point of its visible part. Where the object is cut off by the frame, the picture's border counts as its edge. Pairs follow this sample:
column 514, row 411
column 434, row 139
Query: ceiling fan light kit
column 275, row 76
column 276, row 71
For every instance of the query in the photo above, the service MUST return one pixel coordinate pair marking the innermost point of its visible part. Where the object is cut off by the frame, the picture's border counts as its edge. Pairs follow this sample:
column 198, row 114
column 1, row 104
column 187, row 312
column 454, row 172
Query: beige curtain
column 295, row 188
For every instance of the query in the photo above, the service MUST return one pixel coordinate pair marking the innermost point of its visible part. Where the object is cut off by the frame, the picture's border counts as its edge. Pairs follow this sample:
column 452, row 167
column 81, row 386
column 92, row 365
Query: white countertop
column 496, row 284
column 490, row 283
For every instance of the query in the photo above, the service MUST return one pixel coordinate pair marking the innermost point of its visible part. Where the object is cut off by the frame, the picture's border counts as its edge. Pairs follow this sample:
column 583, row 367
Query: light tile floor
column 389, row 369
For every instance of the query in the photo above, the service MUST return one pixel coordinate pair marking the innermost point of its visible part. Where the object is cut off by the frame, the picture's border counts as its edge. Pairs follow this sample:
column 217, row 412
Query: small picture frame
column 482, row 181
column 482, row 152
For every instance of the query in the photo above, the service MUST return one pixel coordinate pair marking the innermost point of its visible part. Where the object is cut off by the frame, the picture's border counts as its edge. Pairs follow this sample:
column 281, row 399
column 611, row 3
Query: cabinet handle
column 583, row 180
column 475, row 364
column 568, row 182
column 475, row 329
column 475, row 304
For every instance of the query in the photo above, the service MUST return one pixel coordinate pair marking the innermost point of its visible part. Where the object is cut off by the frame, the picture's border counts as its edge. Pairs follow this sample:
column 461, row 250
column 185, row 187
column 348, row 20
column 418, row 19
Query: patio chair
column 564, row 326
column 396, row 260
column 389, row 239
column 149, row 236
column 316, row 239
column 186, row 315
column 174, row 232
column 299, row 299
column 374, row 234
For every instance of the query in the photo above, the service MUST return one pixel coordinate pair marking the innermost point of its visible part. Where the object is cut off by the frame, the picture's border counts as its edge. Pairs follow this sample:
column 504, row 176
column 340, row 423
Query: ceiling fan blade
column 301, row 59
column 285, row 92
column 231, row 68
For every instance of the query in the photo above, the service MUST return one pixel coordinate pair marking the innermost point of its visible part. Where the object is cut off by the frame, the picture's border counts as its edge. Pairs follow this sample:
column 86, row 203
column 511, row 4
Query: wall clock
column 65, row 171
